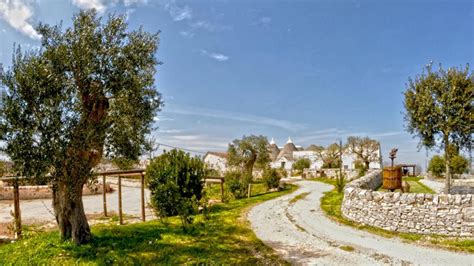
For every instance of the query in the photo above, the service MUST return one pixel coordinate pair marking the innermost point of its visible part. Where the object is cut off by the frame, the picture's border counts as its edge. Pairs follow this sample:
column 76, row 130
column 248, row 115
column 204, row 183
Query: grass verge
column 299, row 197
column 225, row 238
column 415, row 186
column 331, row 205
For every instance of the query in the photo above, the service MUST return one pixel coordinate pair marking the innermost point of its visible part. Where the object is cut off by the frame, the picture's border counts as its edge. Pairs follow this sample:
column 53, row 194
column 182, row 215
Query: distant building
column 216, row 161
column 290, row 153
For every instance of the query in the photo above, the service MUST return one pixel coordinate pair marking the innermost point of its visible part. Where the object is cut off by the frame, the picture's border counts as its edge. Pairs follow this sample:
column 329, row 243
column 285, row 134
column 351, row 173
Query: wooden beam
column 120, row 199
column 104, row 196
column 142, row 179
column 17, row 214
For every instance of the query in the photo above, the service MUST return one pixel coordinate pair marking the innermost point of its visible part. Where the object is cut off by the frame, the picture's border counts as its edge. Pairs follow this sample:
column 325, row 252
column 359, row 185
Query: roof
column 218, row 154
column 274, row 151
column 287, row 151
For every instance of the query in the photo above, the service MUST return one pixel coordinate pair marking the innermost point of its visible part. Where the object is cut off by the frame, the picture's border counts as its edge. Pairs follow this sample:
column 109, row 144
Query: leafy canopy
column 248, row 152
column 88, row 92
column 438, row 107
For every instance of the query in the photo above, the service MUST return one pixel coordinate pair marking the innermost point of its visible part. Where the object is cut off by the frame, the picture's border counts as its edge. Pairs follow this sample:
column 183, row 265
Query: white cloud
column 217, row 56
column 235, row 116
column 18, row 14
column 178, row 13
column 187, row 34
column 89, row 4
column 133, row 2
column 265, row 20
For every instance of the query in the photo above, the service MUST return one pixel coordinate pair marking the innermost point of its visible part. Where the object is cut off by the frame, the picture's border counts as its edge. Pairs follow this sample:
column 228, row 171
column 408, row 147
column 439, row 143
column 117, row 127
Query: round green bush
column 237, row 183
column 175, row 180
column 271, row 178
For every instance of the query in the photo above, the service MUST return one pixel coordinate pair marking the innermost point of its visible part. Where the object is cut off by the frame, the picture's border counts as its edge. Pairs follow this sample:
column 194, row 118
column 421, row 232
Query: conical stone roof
column 287, row 150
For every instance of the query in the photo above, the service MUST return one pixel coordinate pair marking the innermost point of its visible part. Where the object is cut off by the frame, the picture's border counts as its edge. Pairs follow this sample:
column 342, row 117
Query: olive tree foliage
column 301, row 164
column 365, row 149
column 87, row 93
column 248, row 152
column 438, row 110
column 329, row 156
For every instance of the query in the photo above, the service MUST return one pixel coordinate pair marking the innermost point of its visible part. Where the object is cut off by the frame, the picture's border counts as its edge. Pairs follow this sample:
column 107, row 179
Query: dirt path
column 302, row 234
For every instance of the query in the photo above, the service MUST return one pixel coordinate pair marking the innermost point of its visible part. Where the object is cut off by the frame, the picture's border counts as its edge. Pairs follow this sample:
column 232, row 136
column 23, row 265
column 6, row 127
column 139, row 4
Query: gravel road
column 302, row 234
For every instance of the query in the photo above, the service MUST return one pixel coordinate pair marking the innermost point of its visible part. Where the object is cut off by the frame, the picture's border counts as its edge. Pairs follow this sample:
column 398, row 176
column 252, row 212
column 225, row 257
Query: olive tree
column 329, row 156
column 87, row 93
column 438, row 110
column 364, row 148
column 248, row 152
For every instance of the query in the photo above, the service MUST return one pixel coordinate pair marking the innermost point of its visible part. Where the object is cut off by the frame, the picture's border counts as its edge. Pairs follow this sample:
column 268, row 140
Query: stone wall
column 440, row 214
column 43, row 192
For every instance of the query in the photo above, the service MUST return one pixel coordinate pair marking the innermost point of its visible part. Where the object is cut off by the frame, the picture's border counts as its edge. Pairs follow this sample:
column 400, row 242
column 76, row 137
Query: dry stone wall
column 441, row 214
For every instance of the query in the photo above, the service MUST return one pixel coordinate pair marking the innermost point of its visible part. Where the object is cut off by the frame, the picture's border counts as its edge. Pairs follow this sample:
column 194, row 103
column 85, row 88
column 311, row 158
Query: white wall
column 216, row 162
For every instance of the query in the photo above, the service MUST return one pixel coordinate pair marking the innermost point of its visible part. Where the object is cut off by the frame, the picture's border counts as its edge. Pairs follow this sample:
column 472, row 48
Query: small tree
column 329, row 156
column 459, row 164
column 175, row 180
column 437, row 165
column 365, row 149
column 271, row 178
column 438, row 107
column 301, row 164
column 87, row 93
column 249, row 152
column 237, row 183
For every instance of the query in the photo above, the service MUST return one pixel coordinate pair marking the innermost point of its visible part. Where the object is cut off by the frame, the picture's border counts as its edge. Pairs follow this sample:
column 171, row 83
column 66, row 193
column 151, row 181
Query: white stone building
column 216, row 161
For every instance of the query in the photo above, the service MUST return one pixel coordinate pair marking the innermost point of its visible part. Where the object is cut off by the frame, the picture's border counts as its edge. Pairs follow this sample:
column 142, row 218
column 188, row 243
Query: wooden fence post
column 142, row 179
column 249, row 191
column 17, row 214
column 104, row 196
column 222, row 190
column 120, row 199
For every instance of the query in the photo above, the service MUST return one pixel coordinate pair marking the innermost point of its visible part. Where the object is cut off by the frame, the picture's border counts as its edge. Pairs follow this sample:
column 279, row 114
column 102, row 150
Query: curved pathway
column 302, row 234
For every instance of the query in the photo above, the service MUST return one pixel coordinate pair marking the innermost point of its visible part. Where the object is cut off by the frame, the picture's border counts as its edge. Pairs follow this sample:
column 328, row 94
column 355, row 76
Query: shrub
column 282, row 172
column 459, row 164
column 437, row 165
column 360, row 166
column 237, row 183
column 271, row 178
column 340, row 182
column 175, row 180
column 301, row 164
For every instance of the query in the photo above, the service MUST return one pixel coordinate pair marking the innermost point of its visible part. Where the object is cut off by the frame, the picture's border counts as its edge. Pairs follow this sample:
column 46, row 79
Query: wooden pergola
column 104, row 174
column 407, row 167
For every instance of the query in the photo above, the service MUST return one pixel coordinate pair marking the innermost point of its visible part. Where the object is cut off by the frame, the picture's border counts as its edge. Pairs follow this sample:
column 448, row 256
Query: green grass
column 415, row 186
column 331, row 205
column 347, row 248
column 299, row 197
column 224, row 239
column 213, row 191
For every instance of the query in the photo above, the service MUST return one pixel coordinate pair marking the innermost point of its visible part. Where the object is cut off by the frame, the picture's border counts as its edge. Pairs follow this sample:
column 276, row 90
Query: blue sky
column 312, row 70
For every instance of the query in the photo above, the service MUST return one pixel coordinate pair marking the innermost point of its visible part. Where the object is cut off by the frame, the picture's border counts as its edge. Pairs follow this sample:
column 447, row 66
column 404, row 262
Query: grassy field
column 223, row 239
column 331, row 205
column 415, row 186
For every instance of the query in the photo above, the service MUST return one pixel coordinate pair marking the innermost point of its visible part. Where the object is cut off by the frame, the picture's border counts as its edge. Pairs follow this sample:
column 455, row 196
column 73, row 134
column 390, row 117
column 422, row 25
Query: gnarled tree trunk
column 69, row 211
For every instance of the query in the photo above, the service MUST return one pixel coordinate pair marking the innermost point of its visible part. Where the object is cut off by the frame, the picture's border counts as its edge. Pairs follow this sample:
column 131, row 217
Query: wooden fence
column 115, row 173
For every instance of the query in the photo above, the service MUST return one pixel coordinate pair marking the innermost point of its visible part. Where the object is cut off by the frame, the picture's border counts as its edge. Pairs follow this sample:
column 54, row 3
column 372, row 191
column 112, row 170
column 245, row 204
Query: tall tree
column 438, row 107
column 248, row 152
column 88, row 92
column 329, row 156
column 364, row 148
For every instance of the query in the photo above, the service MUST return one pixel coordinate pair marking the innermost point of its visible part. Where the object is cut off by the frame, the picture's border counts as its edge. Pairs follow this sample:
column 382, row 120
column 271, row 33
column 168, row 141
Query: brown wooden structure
column 117, row 173
column 406, row 169
column 392, row 178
